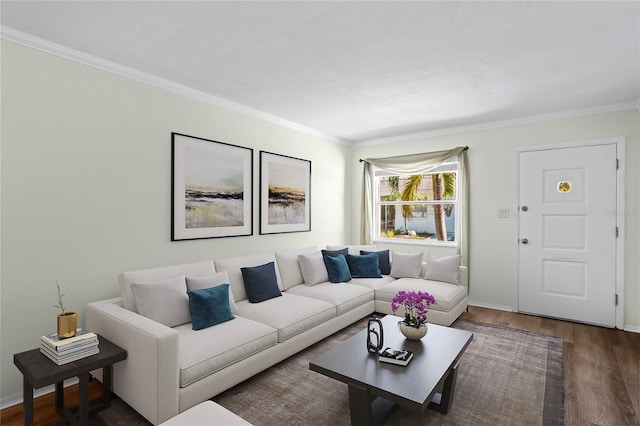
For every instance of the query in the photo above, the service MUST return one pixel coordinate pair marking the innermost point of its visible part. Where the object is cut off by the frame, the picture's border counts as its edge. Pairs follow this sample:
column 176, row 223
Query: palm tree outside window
column 418, row 207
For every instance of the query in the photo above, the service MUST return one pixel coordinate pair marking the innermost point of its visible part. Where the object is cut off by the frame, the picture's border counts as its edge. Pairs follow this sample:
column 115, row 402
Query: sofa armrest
column 463, row 276
column 148, row 380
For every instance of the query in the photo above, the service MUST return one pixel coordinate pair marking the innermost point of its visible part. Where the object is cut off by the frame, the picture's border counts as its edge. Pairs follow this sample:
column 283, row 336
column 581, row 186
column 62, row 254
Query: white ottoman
column 204, row 414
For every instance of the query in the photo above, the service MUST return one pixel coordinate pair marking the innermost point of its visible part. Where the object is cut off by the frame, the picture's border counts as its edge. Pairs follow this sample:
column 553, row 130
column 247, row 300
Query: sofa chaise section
column 451, row 299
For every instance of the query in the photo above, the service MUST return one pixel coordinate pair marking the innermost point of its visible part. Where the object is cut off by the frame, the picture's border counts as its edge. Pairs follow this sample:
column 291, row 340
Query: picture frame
column 211, row 189
column 285, row 194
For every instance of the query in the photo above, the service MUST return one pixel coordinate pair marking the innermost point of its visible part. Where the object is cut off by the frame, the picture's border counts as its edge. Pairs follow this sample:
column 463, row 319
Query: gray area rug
column 506, row 377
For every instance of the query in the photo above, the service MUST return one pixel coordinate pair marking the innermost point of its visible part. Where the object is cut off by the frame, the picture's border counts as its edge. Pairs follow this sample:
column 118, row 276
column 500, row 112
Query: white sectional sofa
column 170, row 369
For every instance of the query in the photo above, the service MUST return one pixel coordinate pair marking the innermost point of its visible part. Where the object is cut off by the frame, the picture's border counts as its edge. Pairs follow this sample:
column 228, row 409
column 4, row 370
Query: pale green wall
column 86, row 174
column 491, row 170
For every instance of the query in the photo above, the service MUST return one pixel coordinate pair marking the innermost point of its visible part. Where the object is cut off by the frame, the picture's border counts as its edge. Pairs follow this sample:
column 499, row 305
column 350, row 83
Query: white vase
column 413, row 333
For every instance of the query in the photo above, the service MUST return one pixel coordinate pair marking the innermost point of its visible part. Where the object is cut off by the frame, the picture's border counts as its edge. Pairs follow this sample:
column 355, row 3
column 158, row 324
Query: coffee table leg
column 360, row 406
column 449, row 386
column 367, row 409
column 27, row 401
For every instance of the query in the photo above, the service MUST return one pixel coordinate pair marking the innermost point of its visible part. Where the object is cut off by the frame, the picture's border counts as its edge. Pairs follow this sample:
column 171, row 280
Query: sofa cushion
column 233, row 264
column 353, row 249
column 203, row 352
column 444, row 268
column 447, row 295
column 406, row 265
column 290, row 270
column 345, row 297
column 125, row 279
column 290, row 314
column 261, row 282
column 164, row 301
column 372, row 283
column 383, row 260
column 209, row 306
column 364, row 266
column 313, row 268
column 212, row 280
column 337, row 268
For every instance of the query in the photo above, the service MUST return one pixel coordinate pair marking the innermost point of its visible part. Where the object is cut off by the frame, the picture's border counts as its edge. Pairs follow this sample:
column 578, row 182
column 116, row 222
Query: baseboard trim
column 490, row 306
column 632, row 328
column 629, row 328
column 16, row 398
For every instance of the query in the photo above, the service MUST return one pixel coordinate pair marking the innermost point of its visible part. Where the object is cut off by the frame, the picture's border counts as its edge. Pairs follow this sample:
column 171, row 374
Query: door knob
column 525, row 208
column 525, row 241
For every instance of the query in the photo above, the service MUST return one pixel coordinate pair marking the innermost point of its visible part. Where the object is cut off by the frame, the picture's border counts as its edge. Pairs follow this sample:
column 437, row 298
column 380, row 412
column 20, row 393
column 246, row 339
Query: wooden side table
column 38, row 371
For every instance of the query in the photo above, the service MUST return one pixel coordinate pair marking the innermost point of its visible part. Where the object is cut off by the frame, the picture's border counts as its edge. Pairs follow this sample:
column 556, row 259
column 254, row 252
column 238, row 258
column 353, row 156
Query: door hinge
column 617, row 232
column 617, row 164
column 616, row 300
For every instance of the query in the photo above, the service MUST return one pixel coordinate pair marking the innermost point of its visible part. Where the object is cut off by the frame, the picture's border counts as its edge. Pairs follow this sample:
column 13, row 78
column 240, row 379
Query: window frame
column 378, row 204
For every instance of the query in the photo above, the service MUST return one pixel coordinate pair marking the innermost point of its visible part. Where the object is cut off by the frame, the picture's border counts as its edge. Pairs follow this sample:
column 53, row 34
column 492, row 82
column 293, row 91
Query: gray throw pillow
column 313, row 269
column 444, row 268
column 165, row 301
column 406, row 265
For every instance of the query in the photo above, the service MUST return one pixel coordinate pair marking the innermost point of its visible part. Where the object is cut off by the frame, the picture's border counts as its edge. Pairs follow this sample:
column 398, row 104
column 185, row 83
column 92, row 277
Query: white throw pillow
column 406, row 265
column 165, row 301
column 445, row 268
column 208, row 281
column 313, row 269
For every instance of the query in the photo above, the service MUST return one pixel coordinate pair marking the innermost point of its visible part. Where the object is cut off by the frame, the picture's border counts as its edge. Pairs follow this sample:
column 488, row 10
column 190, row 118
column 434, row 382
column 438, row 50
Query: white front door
column 567, row 233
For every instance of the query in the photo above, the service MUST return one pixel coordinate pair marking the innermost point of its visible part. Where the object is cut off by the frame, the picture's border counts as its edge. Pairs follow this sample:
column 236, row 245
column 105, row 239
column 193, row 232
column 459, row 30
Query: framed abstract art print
column 211, row 189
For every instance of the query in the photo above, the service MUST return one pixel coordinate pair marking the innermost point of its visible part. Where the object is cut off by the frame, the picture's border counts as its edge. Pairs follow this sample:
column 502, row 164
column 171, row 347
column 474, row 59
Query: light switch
column 503, row 213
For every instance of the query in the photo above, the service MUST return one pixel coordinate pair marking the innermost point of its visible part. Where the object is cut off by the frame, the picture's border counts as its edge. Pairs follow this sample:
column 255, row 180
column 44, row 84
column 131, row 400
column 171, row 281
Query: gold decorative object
column 67, row 321
column 67, row 325
column 413, row 333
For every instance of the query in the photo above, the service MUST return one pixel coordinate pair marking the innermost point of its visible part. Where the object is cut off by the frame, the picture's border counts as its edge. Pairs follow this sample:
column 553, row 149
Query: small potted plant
column 67, row 321
column 416, row 307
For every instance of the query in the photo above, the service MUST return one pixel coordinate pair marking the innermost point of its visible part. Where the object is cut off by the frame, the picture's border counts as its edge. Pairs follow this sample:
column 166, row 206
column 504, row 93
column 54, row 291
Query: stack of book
column 64, row 351
column 396, row 356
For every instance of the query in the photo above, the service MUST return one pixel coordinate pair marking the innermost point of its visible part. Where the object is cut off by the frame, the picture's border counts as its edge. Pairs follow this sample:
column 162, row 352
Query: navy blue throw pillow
column 334, row 253
column 365, row 266
column 260, row 282
column 383, row 260
column 337, row 268
column 209, row 306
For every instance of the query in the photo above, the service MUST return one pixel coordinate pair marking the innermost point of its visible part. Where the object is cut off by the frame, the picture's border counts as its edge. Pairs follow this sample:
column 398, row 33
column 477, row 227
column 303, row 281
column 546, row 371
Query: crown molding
column 28, row 40
column 506, row 123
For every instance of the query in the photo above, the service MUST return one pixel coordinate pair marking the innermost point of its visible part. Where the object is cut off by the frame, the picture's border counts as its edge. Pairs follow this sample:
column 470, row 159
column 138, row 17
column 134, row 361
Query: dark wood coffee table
column 376, row 387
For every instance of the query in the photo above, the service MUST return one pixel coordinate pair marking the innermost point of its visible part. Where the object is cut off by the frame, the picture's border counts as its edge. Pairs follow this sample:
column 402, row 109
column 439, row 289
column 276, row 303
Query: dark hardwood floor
column 601, row 372
column 601, row 366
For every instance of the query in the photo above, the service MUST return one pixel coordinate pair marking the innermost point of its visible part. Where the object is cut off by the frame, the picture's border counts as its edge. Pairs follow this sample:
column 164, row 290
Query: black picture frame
column 285, row 194
column 211, row 189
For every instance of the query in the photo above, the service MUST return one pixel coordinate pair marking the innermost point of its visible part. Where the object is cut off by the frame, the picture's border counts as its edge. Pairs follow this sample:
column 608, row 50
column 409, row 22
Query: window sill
column 432, row 243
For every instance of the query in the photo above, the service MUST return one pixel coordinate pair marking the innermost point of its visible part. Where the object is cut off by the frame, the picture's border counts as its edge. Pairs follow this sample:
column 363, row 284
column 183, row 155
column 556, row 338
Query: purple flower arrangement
column 416, row 306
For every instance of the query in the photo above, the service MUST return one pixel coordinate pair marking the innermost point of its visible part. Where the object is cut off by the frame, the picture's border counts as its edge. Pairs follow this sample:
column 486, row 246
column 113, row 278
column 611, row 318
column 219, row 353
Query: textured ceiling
column 361, row 71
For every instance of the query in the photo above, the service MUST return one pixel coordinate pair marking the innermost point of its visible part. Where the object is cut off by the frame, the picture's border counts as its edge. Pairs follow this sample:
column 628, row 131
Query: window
column 416, row 208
